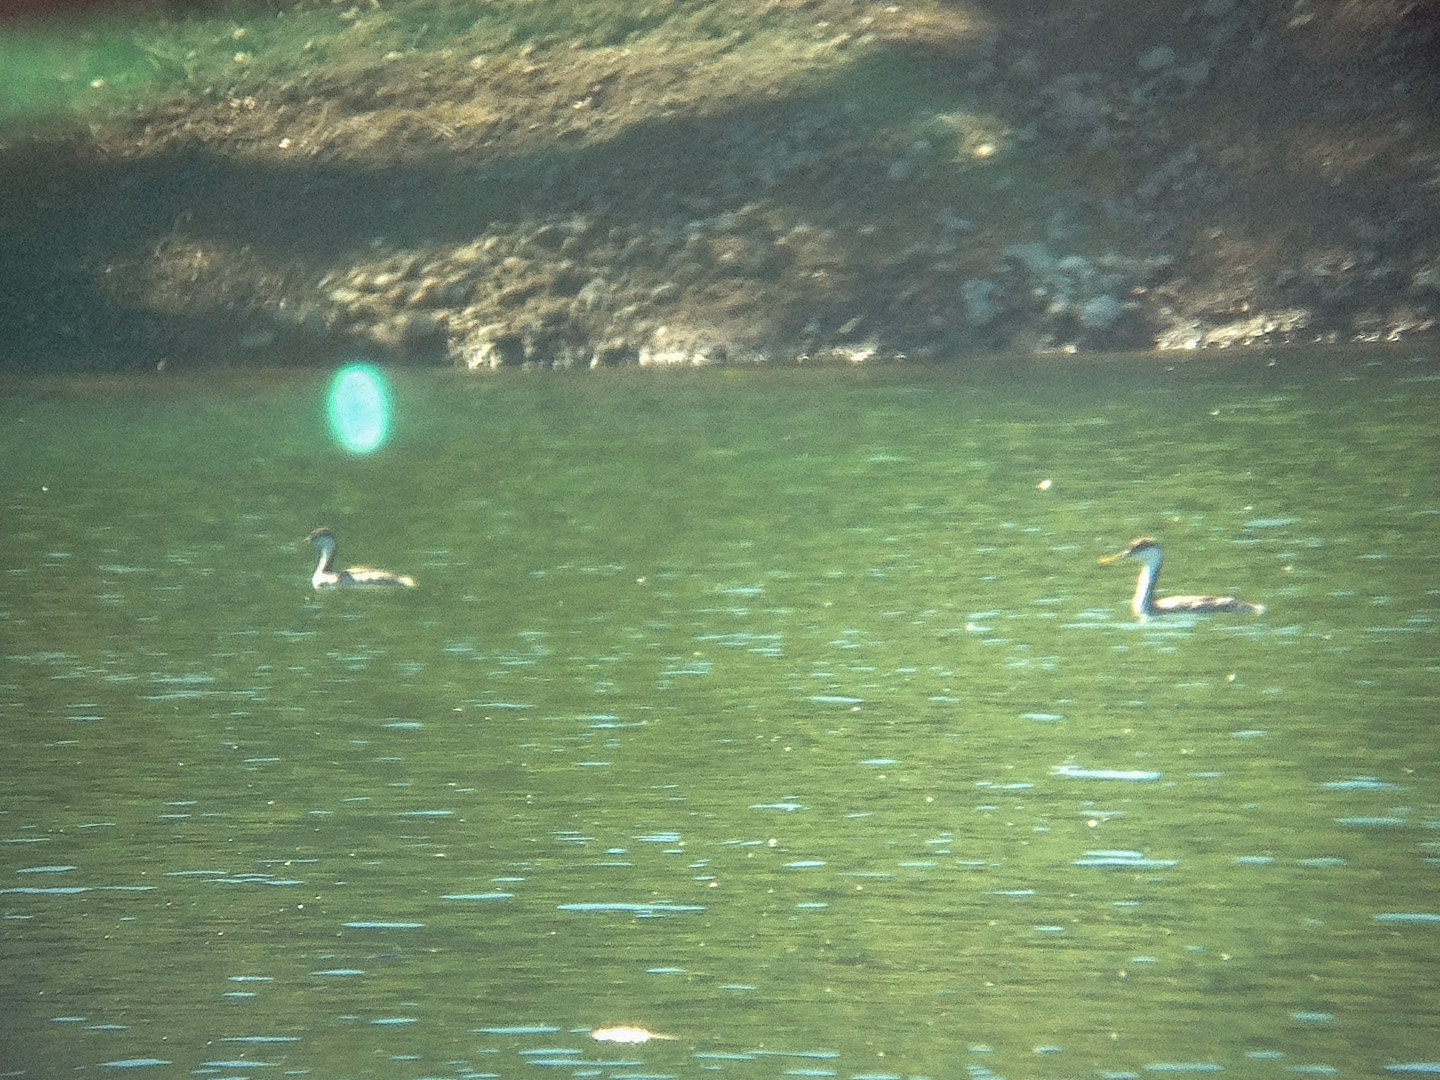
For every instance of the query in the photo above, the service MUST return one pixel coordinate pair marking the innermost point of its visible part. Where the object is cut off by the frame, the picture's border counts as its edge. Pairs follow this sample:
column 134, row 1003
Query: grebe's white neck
column 1150, row 558
column 1143, row 603
column 324, row 574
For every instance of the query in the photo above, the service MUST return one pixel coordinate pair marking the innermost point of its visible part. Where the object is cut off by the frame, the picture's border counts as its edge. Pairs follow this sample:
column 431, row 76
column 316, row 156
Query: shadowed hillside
column 538, row 182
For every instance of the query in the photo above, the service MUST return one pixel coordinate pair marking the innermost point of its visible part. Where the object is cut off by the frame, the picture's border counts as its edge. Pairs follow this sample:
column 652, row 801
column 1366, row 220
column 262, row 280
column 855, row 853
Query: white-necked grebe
column 1147, row 553
column 327, row 577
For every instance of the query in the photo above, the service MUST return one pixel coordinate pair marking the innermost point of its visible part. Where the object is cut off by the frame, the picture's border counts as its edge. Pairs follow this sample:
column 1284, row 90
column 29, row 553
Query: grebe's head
column 321, row 538
column 1143, row 549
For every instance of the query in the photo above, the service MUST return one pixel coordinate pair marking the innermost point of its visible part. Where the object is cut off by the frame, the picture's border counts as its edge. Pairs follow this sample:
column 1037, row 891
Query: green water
column 786, row 713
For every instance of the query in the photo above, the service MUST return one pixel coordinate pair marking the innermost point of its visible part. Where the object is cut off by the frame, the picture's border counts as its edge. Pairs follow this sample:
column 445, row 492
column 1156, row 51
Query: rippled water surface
column 783, row 713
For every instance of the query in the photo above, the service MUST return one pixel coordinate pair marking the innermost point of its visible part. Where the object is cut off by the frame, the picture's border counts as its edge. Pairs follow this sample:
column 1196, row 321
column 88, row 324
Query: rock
column 1267, row 327
column 900, row 169
column 1035, row 257
column 490, row 346
column 1427, row 277
column 1196, row 74
column 1156, row 58
column 613, row 352
column 980, row 308
column 1101, row 312
column 1075, row 107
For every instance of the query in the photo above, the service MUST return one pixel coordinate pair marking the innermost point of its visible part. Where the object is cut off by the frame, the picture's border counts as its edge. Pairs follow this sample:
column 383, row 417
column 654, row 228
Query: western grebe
column 1147, row 553
column 327, row 577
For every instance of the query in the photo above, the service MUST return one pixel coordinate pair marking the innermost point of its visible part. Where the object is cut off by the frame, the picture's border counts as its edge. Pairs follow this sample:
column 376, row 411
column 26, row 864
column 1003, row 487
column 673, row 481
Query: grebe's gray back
column 1147, row 553
column 327, row 577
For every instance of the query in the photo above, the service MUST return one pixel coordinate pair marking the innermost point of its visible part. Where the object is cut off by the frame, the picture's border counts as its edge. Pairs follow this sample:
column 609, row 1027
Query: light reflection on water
column 785, row 715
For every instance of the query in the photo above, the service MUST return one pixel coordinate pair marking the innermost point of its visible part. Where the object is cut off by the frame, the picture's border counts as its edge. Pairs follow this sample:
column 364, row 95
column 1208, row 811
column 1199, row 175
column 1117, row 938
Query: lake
column 784, row 713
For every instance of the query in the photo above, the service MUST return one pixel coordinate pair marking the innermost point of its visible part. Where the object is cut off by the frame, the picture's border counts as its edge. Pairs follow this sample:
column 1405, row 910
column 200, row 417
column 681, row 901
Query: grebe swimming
column 327, row 577
column 1147, row 552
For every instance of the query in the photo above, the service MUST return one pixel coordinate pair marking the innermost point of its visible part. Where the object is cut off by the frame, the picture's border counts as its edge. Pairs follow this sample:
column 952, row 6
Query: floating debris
column 626, row 1035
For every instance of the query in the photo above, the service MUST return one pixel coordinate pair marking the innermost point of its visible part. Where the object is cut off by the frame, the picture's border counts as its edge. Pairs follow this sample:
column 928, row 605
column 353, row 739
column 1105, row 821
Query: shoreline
column 815, row 180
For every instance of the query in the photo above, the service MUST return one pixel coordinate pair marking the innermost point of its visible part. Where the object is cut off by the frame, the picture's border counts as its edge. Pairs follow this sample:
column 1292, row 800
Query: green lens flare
column 359, row 408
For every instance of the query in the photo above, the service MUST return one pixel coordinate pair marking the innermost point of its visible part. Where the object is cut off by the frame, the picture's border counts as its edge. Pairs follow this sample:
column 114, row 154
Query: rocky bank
column 867, row 181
